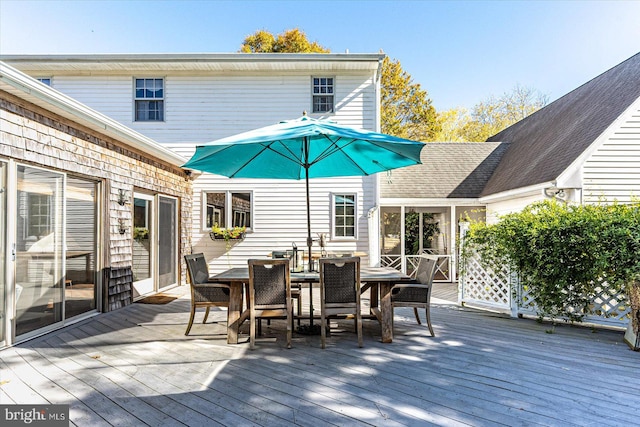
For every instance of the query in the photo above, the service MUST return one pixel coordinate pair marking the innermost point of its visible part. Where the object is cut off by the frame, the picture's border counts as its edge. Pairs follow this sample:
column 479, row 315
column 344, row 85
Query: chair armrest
column 215, row 283
column 416, row 285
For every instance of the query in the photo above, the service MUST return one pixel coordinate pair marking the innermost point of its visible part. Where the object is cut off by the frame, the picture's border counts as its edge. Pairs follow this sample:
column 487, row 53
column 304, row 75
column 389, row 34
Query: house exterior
column 184, row 100
column 583, row 148
column 422, row 205
column 87, row 206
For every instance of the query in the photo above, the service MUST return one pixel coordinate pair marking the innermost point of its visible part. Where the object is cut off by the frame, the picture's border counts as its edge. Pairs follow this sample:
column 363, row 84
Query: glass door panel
column 167, row 241
column 39, row 249
column 81, row 246
column 142, row 245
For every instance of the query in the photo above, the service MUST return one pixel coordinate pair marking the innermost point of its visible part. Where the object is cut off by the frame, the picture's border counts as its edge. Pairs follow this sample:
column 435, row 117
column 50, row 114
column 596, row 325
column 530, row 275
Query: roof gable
column 448, row 170
column 546, row 143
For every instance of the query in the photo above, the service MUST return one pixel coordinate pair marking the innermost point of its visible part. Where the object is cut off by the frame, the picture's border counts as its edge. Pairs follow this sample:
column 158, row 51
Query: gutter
column 518, row 192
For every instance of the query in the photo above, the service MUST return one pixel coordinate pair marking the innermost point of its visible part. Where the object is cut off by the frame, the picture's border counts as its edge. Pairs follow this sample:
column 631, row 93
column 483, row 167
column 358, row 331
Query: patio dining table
column 379, row 279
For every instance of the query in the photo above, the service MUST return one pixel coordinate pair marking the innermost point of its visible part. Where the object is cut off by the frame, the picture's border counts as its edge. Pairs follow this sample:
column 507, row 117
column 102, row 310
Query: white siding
column 204, row 108
column 612, row 172
column 279, row 216
column 497, row 209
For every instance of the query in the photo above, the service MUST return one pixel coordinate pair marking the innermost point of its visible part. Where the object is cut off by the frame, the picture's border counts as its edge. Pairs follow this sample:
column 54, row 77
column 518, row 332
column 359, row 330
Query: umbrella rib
column 264, row 148
column 334, row 148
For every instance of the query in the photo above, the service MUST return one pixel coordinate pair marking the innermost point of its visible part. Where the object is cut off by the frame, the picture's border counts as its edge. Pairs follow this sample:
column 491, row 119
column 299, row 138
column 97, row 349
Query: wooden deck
column 135, row 367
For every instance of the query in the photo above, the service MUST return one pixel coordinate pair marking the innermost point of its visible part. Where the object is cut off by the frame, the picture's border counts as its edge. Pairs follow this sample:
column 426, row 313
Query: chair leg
column 429, row 322
column 252, row 333
column 323, row 330
column 415, row 311
column 193, row 313
column 289, row 326
column 206, row 315
column 359, row 328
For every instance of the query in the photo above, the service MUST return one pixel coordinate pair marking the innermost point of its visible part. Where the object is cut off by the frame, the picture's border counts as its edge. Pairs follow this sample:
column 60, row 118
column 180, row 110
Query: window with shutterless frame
column 149, row 99
column 227, row 209
column 344, row 215
column 322, row 89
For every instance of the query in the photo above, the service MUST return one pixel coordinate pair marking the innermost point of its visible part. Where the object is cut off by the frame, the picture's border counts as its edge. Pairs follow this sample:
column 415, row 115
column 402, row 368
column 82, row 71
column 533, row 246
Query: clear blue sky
column 461, row 52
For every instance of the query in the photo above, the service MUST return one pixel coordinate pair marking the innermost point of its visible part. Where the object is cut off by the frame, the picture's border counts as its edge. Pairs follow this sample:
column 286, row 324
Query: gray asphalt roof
column 544, row 144
column 449, row 170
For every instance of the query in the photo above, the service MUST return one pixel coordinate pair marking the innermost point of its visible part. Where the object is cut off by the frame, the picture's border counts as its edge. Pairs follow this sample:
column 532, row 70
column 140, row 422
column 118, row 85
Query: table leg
column 386, row 312
column 234, row 312
column 373, row 297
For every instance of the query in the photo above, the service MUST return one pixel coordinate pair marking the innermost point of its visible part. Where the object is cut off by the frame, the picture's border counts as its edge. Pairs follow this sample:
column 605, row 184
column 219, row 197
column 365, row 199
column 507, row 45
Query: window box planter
column 218, row 236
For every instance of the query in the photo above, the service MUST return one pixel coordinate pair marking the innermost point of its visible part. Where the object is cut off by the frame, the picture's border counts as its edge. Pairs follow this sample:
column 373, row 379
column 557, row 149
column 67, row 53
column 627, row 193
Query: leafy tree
column 291, row 41
column 406, row 111
column 449, row 124
column 495, row 114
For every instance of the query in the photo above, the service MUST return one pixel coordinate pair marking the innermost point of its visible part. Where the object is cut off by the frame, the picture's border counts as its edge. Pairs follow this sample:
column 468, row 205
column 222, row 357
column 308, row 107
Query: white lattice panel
column 607, row 307
column 484, row 286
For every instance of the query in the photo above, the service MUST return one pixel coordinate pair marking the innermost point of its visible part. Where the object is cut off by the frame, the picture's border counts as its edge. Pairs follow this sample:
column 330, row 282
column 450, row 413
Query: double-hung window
column 44, row 80
column 344, row 215
column 149, row 100
column 322, row 94
column 227, row 209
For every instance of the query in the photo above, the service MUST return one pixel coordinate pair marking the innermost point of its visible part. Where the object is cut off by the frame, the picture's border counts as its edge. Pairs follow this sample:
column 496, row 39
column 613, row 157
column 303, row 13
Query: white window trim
column 228, row 214
column 163, row 99
column 333, row 107
column 333, row 215
column 40, row 78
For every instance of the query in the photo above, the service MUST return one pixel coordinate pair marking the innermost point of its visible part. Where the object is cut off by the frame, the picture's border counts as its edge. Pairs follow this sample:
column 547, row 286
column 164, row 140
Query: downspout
column 374, row 212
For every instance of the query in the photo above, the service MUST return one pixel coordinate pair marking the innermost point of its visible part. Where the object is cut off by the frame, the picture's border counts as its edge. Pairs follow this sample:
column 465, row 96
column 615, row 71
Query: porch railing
column 444, row 268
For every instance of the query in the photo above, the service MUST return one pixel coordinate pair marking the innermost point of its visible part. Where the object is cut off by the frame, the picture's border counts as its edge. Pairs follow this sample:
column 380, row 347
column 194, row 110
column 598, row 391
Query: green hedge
column 561, row 251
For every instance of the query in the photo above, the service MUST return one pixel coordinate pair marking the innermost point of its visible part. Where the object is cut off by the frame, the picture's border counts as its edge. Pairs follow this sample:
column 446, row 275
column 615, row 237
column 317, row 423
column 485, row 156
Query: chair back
column 340, row 278
column 269, row 282
column 197, row 268
column 426, row 270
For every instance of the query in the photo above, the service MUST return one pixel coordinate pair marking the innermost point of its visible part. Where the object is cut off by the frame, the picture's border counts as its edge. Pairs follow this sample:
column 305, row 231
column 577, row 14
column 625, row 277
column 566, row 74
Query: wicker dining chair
column 204, row 293
column 269, row 294
column 417, row 295
column 340, row 292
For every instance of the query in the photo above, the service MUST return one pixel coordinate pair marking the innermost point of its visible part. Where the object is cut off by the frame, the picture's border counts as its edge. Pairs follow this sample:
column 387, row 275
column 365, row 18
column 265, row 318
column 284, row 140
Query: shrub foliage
column 561, row 252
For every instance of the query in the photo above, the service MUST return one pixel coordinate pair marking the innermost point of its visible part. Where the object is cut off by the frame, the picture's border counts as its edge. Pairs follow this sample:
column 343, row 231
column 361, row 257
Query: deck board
column 135, row 366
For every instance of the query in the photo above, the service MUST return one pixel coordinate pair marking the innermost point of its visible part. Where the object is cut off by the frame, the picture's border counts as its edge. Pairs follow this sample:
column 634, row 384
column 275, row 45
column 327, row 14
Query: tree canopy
column 290, row 41
column 406, row 110
column 490, row 116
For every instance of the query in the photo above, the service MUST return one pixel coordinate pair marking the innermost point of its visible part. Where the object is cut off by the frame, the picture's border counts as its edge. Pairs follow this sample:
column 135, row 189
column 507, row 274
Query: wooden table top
column 367, row 274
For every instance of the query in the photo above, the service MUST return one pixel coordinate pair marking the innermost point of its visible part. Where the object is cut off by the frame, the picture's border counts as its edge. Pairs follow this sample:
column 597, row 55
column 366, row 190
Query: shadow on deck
column 134, row 366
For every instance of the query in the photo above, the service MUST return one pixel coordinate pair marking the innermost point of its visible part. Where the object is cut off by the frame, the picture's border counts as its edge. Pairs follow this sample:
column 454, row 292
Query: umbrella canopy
column 305, row 148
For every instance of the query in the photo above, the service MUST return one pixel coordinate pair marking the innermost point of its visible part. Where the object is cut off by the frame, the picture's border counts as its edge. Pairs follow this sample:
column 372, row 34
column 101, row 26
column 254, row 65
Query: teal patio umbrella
column 305, row 148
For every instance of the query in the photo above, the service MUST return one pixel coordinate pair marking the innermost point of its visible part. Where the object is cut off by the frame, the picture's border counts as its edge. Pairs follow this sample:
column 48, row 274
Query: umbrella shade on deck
column 305, row 148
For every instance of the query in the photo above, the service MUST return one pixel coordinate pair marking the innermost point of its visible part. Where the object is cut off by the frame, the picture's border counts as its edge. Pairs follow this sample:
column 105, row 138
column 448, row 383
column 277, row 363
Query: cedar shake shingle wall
column 32, row 135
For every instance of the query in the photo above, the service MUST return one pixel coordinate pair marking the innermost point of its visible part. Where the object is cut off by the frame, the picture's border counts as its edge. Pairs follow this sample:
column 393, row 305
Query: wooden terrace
column 135, row 366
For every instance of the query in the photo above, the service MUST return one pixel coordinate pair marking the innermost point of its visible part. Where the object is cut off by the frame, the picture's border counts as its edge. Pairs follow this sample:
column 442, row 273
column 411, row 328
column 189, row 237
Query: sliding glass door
column 80, row 293
column 3, row 252
column 167, row 241
column 155, row 243
column 39, row 248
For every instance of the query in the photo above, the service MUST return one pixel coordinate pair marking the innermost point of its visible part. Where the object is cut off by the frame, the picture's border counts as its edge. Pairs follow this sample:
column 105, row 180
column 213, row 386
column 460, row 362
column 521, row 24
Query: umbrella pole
column 309, row 239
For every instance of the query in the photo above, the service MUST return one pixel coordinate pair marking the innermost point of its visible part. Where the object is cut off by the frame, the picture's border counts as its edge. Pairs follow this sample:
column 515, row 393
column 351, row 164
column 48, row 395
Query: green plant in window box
column 235, row 233
column 140, row 233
